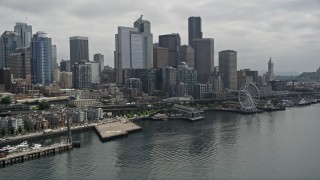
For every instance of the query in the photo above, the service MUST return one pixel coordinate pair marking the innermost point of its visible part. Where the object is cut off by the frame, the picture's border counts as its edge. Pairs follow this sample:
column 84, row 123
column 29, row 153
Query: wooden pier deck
column 111, row 131
column 34, row 154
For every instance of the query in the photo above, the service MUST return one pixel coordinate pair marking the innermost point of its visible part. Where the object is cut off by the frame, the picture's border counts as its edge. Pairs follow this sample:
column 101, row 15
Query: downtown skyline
column 286, row 31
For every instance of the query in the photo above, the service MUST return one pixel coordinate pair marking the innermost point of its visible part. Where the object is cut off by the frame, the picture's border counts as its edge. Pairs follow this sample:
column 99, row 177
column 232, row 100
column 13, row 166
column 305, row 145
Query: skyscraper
column 270, row 70
column 203, row 58
column 228, row 68
column 160, row 56
column 79, row 49
column 188, row 76
column 9, row 42
column 25, row 32
column 41, row 58
column 65, row 65
column 144, row 28
column 194, row 28
column 54, row 58
column 173, row 43
column 19, row 64
column 81, row 75
column 99, row 58
column 187, row 55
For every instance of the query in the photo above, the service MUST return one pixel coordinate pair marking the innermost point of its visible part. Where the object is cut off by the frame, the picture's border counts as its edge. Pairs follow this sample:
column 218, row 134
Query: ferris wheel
column 249, row 96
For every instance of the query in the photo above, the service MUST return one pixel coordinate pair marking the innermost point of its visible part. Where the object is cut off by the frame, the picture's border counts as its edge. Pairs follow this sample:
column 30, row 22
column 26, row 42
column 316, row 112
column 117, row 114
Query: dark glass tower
column 194, row 28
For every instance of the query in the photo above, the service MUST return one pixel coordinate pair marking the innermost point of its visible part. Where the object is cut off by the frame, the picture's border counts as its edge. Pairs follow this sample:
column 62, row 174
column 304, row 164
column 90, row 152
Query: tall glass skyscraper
column 41, row 58
column 25, row 32
column 79, row 49
column 194, row 28
column 9, row 42
column 144, row 29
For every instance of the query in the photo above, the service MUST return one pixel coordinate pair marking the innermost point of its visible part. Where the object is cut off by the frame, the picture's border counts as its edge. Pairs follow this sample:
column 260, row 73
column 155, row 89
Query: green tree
column 6, row 100
column 43, row 105
column 11, row 130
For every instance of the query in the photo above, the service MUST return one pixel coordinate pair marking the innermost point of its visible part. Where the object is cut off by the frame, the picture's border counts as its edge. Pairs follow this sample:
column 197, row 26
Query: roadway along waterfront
column 270, row 145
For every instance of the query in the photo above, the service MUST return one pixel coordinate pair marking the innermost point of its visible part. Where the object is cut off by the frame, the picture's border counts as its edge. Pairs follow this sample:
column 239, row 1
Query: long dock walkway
column 33, row 154
column 111, row 131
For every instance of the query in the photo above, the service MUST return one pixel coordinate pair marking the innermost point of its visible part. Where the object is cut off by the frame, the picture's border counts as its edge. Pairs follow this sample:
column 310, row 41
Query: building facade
column 9, row 42
column 25, row 32
column 228, row 68
column 41, row 58
column 187, row 55
column 65, row 65
column 194, row 29
column 79, row 49
column 160, row 57
column 19, row 64
column 99, row 58
column 81, row 75
column 173, row 43
column 203, row 58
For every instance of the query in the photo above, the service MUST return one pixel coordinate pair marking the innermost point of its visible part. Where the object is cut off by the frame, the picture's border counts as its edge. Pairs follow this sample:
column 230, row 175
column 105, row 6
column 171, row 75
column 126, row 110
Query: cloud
column 286, row 30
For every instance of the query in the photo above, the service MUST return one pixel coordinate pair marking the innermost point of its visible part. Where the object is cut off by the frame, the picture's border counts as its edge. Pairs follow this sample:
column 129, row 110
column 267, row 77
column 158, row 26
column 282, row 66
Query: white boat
column 23, row 145
column 36, row 146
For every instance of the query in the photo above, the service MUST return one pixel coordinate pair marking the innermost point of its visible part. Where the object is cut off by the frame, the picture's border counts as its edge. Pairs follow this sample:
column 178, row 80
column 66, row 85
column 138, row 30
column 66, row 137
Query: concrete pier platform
column 111, row 131
column 33, row 154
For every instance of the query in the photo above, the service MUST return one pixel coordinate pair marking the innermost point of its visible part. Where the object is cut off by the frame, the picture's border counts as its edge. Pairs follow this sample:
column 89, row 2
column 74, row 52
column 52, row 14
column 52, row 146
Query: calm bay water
column 276, row 145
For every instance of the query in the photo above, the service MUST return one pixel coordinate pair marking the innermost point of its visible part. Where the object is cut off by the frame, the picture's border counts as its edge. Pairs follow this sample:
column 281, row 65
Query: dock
column 111, row 131
column 34, row 154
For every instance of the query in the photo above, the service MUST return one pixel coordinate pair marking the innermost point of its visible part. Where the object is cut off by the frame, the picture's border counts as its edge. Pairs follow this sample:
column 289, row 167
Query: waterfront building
column 194, row 29
column 188, row 76
column 9, row 42
column 79, row 49
column 41, row 58
column 19, row 64
column 84, row 102
column 228, row 68
column 82, row 75
column 181, row 89
column 160, row 57
column 173, row 43
column 99, row 58
column 65, row 65
column 25, row 32
column 201, row 89
column 203, row 58
column 187, row 55
column 144, row 29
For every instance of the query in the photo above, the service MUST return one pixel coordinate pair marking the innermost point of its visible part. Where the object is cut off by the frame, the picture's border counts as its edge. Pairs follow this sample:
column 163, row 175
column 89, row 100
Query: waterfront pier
column 34, row 154
column 187, row 113
column 111, row 131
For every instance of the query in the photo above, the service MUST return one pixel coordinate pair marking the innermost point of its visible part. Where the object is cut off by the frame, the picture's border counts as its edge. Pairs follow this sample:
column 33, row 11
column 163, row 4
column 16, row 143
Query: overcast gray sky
column 286, row 30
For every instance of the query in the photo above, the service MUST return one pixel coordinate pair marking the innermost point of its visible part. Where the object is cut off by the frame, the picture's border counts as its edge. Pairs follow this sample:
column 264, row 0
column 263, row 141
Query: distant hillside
column 309, row 77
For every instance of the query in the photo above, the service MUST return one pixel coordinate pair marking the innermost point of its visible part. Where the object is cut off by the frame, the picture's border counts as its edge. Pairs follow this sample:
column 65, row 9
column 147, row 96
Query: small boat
column 23, row 145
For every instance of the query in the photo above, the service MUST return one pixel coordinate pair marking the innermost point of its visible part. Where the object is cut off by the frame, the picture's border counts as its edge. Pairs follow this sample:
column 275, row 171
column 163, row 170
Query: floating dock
column 111, row 131
column 34, row 154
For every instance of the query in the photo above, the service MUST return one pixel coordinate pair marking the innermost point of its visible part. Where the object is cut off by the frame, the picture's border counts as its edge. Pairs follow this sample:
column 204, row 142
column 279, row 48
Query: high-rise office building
column 203, row 58
column 187, row 55
column 79, row 49
column 54, row 58
column 81, row 75
column 5, row 79
column 25, row 32
column 99, row 58
column 160, row 56
column 173, row 43
column 194, row 29
column 65, row 65
column 144, row 29
column 188, row 76
column 65, row 79
column 270, row 70
column 128, row 53
column 95, row 74
column 228, row 68
column 41, row 58
column 19, row 64
column 9, row 42
column 169, row 80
